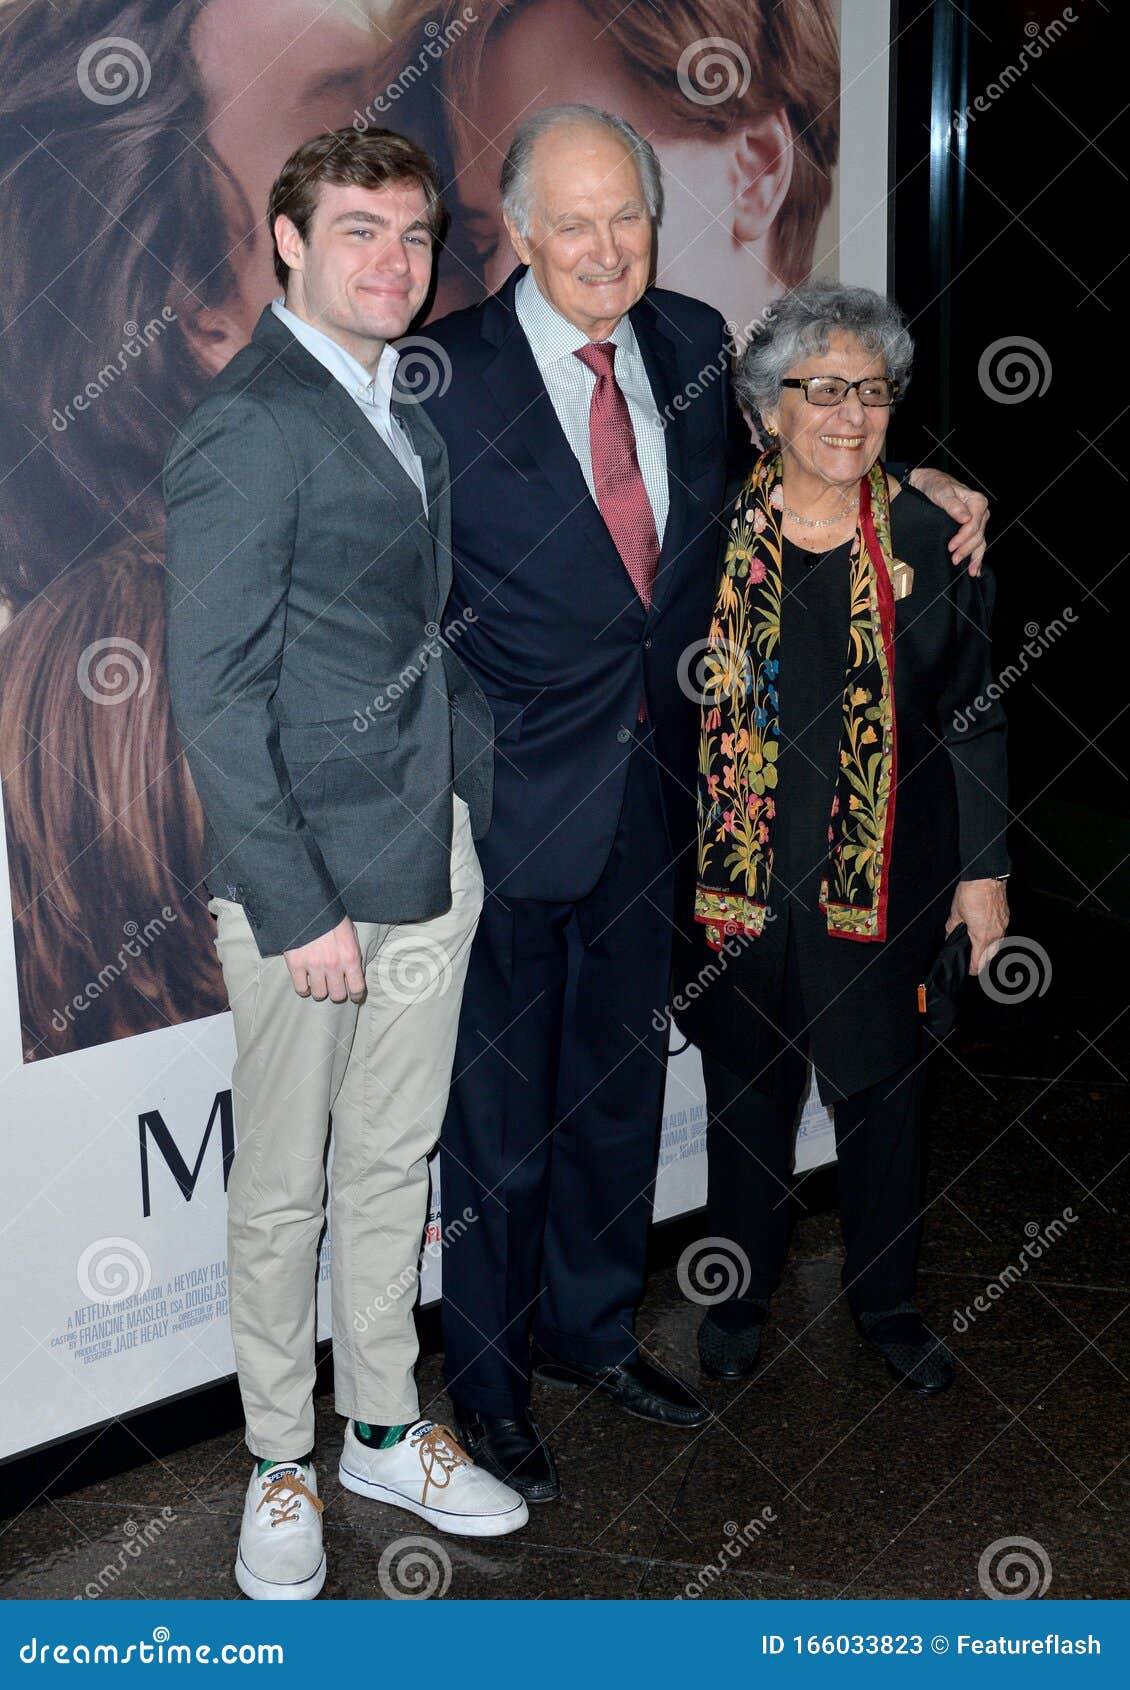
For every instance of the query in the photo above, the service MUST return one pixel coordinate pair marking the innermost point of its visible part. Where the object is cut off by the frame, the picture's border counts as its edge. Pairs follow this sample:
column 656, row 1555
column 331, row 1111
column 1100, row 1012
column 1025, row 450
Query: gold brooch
column 902, row 579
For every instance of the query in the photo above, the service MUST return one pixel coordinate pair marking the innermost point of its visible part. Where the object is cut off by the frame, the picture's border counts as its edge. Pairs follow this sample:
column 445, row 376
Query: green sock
column 265, row 1466
column 379, row 1437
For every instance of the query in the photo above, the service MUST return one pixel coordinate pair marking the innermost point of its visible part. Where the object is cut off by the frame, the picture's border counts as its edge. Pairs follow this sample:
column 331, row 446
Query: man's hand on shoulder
column 329, row 966
column 964, row 505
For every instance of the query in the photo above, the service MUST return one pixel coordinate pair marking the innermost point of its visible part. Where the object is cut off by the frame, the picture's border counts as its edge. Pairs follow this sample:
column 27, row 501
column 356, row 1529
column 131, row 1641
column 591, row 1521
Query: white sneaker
column 280, row 1542
column 428, row 1473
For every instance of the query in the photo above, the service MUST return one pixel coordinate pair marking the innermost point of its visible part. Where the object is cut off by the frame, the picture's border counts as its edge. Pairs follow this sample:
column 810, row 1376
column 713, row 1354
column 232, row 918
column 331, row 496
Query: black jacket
column 861, row 1000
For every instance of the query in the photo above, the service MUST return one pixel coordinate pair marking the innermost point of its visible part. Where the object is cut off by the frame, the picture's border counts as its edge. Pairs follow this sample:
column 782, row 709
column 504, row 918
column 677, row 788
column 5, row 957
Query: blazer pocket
column 507, row 719
column 321, row 742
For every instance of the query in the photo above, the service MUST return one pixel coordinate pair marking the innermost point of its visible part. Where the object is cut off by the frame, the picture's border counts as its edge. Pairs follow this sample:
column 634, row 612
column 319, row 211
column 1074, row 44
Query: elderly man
column 586, row 486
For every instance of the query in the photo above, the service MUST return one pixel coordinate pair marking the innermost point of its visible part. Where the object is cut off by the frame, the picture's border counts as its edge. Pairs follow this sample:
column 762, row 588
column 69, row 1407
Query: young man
column 343, row 761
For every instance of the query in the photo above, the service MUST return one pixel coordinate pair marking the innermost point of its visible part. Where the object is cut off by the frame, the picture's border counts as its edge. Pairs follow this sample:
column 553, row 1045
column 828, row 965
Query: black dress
column 860, row 1000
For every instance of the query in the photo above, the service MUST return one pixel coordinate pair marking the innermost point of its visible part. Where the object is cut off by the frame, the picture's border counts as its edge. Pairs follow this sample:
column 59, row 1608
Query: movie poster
column 137, row 146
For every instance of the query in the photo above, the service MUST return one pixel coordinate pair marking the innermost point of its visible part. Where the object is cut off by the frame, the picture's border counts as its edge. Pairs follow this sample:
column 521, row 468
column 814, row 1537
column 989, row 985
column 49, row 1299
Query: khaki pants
column 380, row 1070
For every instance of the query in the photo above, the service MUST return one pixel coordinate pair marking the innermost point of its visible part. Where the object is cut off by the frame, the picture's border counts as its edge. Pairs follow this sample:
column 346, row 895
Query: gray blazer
column 324, row 717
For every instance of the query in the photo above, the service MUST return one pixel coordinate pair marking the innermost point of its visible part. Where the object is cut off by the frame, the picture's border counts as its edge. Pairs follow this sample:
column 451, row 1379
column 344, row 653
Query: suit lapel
column 350, row 434
column 660, row 361
column 427, row 443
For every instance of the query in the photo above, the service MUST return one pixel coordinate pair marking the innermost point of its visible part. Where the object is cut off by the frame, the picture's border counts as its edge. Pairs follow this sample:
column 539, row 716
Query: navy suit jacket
column 554, row 631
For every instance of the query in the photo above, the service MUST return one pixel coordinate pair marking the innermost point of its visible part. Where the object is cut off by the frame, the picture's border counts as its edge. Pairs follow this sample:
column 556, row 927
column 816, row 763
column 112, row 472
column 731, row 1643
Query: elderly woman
column 851, row 808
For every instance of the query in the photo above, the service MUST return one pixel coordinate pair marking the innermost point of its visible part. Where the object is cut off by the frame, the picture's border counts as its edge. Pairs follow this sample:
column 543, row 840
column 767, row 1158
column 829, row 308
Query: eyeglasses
column 832, row 390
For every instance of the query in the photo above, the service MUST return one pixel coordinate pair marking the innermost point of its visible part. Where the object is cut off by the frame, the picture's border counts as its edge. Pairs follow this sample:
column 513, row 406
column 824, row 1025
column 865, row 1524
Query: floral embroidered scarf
column 738, row 789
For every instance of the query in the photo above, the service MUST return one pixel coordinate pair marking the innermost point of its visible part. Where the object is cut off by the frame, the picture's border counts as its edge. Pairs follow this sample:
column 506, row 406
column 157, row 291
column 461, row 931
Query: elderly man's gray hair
column 514, row 182
column 799, row 324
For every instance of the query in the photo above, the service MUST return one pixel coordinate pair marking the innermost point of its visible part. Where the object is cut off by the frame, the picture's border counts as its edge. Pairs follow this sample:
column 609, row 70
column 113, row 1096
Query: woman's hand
column 983, row 906
column 964, row 505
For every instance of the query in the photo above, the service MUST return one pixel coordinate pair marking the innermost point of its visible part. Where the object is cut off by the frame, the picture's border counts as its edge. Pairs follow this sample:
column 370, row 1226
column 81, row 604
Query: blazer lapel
column 351, row 435
column 661, row 363
column 427, row 442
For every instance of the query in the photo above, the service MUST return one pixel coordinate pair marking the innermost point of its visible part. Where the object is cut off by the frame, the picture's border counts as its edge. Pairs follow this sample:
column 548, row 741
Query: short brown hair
column 345, row 158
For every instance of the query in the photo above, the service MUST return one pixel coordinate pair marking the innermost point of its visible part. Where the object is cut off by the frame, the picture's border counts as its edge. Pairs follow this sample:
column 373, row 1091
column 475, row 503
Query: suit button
column 647, row 643
column 623, row 735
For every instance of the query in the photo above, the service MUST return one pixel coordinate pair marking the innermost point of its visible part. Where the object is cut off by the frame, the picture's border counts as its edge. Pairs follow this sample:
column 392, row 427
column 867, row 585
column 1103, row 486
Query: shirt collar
column 374, row 390
column 552, row 336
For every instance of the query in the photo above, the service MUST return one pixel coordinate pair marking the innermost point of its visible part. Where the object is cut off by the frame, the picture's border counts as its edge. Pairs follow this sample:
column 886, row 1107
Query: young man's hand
column 330, row 966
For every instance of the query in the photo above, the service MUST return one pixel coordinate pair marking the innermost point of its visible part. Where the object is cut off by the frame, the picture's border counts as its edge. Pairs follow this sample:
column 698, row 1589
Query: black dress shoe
column 729, row 1339
column 511, row 1448
column 648, row 1392
column 913, row 1354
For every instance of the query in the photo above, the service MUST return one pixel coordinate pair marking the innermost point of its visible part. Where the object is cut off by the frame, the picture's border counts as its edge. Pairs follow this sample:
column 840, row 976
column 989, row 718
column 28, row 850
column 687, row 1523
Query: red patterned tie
column 620, row 491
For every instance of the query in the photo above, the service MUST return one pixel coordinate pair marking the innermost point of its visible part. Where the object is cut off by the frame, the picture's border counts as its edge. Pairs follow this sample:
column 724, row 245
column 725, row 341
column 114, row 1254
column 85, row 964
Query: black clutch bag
column 940, row 993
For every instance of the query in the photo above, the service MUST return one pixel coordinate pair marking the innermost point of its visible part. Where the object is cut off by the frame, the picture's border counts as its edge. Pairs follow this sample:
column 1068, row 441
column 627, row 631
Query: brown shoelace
column 441, row 1449
column 288, row 1493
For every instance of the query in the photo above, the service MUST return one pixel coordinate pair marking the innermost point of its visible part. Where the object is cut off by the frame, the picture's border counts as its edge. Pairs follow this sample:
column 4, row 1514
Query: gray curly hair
column 800, row 323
